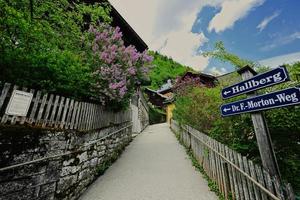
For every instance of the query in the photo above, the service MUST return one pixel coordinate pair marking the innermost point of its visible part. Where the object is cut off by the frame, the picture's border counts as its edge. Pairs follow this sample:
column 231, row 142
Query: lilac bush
column 118, row 69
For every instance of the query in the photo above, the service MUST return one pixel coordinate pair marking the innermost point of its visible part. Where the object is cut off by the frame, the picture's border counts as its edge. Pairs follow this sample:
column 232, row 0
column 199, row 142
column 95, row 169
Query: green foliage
column 165, row 68
column 43, row 46
column 156, row 115
column 237, row 131
column 221, row 54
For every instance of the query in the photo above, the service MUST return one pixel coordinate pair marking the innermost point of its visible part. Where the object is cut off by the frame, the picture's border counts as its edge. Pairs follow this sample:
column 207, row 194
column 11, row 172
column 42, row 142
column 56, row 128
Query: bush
column 48, row 47
column 199, row 107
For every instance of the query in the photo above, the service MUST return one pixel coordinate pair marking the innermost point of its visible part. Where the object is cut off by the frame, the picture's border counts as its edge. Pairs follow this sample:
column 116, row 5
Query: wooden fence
column 236, row 176
column 54, row 111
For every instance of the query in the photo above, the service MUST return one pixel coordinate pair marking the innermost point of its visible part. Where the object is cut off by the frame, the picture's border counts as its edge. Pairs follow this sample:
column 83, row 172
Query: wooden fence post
column 262, row 132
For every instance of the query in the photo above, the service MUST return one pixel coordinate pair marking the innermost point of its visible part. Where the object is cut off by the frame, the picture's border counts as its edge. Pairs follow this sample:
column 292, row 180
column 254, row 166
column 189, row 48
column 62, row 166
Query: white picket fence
column 54, row 111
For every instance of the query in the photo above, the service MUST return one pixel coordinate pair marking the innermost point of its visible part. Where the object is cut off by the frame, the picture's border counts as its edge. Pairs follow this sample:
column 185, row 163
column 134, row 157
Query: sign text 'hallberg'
column 272, row 77
column 280, row 98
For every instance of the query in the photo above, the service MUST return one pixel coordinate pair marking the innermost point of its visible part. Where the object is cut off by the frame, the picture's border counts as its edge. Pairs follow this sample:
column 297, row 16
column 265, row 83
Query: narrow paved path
column 153, row 167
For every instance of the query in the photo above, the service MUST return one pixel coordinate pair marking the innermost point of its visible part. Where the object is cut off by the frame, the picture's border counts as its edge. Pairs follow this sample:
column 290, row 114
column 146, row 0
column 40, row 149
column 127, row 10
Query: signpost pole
column 263, row 137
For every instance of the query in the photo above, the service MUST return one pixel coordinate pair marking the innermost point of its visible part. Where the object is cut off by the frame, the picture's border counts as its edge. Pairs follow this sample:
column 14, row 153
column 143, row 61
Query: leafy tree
column 42, row 45
column 220, row 53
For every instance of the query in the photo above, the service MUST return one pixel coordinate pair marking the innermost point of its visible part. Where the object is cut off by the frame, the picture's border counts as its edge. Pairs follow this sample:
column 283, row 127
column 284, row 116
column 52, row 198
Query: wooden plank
column 277, row 187
column 78, row 116
column 230, row 174
column 238, row 175
column 54, row 110
column 5, row 117
column 4, row 93
column 211, row 160
column 64, row 115
column 225, row 172
column 227, row 181
column 269, row 182
column 95, row 117
column 261, row 180
column 88, row 116
column 83, row 116
column 68, row 119
column 91, row 116
column 41, row 109
column 49, row 104
column 249, row 182
column 34, row 110
column 75, row 110
column 218, row 180
column 290, row 192
column 98, row 117
column 244, row 181
column 83, row 119
column 222, row 170
column 59, row 112
column 234, row 175
column 254, row 176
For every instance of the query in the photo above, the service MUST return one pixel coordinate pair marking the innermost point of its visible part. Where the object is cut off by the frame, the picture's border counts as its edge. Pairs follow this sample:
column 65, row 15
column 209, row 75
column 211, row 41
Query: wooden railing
column 54, row 111
column 236, row 176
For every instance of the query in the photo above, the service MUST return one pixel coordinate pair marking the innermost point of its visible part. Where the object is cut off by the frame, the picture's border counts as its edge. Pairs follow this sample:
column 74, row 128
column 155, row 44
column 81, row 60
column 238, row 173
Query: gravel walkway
column 153, row 167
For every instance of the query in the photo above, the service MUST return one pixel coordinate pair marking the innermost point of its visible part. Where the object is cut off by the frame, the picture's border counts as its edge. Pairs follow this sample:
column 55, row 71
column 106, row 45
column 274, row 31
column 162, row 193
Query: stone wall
column 65, row 162
column 140, row 112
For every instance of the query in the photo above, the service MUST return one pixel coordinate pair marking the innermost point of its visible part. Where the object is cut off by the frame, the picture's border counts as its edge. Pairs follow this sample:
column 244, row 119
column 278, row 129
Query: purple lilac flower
column 122, row 91
column 131, row 71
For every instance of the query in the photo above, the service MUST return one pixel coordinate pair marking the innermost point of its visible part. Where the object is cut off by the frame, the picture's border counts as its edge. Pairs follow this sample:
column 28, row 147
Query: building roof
column 199, row 74
column 130, row 37
column 166, row 87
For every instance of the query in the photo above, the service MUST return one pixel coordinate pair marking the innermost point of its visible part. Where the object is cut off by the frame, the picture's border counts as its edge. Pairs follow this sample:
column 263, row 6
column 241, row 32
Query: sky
column 264, row 31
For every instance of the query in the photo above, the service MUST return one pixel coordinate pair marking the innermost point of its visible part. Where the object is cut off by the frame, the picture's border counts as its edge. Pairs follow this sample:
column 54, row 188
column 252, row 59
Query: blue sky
column 278, row 35
column 266, row 31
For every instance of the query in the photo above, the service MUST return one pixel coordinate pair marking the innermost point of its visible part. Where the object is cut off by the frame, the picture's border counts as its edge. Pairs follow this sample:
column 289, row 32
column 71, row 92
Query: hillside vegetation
column 165, row 68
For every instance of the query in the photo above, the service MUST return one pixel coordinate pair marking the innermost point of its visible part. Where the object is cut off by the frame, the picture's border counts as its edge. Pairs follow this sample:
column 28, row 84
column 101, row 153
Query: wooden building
column 130, row 37
column 164, row 97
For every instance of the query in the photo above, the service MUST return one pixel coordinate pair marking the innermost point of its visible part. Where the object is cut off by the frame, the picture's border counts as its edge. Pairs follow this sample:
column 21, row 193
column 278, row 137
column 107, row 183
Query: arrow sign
column 267, row 79
column 282, row 98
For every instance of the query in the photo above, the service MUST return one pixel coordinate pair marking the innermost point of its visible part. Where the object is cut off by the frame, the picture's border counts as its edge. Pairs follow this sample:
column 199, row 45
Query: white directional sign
column 277, row 99
column 19, row 103
column 273, row 77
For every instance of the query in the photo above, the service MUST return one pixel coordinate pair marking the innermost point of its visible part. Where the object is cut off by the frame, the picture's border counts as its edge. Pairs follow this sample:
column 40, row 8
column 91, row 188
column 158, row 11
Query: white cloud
column 279, row 60
column 217, row 72
column 141, row 15
column 281, row 40
column 231, row 11
column 166, row 26
column 263, row 24
column 183, row 46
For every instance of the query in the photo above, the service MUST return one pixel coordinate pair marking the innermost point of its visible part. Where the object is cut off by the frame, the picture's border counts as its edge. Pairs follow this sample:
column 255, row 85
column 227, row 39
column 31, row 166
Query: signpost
column 256, row 104
column 273, row 77
column 278, row 99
